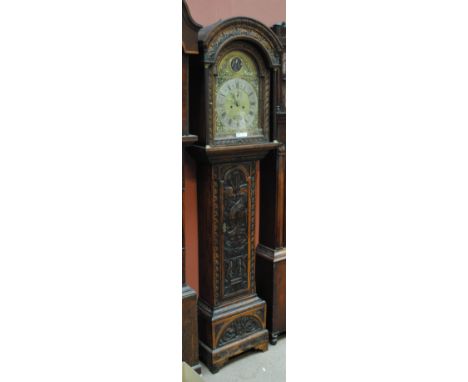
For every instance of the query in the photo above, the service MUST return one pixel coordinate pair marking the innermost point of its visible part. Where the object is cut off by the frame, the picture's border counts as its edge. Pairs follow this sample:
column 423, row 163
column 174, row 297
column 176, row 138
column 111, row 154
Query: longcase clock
column 232, row 112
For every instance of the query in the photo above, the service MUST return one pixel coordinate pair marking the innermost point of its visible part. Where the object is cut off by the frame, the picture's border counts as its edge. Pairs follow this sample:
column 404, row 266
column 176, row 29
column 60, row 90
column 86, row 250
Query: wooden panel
column 185, row 126
column 271, row 286
column 272, row 198
column 189, row 296
column 205, row 240
column 191, row 223
column 278, row 322
column 190, row 328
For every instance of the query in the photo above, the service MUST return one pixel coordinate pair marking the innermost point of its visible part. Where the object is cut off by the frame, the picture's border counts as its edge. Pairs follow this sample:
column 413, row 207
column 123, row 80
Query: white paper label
column 241, row 135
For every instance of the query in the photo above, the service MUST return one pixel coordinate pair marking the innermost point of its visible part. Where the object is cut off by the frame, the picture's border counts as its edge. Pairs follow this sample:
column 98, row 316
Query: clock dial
column 237, row 97
column 237, row 104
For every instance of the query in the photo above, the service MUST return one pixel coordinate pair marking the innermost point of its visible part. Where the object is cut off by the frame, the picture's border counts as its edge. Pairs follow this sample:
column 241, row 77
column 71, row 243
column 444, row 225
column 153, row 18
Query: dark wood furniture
column 233, row 102
column 271, row 251
column 189, row 296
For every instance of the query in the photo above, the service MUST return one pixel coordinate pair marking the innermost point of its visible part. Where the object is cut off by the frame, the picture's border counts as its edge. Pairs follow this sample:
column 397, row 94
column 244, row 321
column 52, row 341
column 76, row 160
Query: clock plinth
column 228, row 331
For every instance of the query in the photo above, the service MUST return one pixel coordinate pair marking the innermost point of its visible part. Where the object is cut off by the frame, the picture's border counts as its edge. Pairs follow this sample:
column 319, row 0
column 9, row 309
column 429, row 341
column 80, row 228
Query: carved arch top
column 215, row 36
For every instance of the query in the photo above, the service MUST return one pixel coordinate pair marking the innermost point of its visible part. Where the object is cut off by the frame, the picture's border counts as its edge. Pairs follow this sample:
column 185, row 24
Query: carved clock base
column 228, row 331
column 217, row 358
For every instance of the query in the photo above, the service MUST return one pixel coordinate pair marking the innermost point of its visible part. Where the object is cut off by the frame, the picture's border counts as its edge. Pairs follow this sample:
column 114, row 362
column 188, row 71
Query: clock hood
column 214, row 37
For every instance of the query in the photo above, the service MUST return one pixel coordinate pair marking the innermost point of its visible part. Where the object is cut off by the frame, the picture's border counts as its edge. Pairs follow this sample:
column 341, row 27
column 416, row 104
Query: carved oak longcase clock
column 233, row 100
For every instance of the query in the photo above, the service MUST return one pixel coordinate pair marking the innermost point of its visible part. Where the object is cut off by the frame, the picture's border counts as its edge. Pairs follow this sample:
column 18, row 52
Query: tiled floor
column 253, row 366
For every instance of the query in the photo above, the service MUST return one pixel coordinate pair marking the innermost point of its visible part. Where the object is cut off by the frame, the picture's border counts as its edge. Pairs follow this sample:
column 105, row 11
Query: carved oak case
column 232, row 100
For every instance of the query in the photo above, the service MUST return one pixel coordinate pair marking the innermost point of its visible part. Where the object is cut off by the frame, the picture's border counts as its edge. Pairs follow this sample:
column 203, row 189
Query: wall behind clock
column 206, row 12
column 268, row 12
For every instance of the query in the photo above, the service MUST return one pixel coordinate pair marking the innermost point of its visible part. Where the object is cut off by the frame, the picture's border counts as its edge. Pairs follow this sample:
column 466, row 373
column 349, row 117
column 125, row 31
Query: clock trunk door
column 236, row 226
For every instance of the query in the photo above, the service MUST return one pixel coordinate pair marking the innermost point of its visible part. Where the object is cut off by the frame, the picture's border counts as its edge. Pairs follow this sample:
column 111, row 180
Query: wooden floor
column 253, row 366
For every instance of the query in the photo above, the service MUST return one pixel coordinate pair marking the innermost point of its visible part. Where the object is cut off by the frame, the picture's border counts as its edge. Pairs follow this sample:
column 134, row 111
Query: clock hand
column 233, row 97
column 236, row 98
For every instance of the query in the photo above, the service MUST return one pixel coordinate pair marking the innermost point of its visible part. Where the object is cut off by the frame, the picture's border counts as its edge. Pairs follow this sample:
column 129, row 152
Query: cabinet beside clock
column 271, row 252
column 189, row 296
column 233, row 99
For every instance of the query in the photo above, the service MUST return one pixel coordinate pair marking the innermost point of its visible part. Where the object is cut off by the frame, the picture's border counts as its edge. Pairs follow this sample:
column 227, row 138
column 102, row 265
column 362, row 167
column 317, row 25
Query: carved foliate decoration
column 216, row 229
column 234, row 223
column 235, row 231
column 241, row 57
column 280, row 31
column 239, row 328
column 252, row 225
column 241, row 28
column 243, row 141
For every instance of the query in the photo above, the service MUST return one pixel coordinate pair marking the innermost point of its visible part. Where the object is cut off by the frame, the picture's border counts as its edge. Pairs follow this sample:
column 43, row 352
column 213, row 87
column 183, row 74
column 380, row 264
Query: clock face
column 237, row 97
column 237, row 105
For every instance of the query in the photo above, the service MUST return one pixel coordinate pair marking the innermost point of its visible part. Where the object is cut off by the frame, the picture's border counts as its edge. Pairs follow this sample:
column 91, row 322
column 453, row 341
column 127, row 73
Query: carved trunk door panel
column 236, row 227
